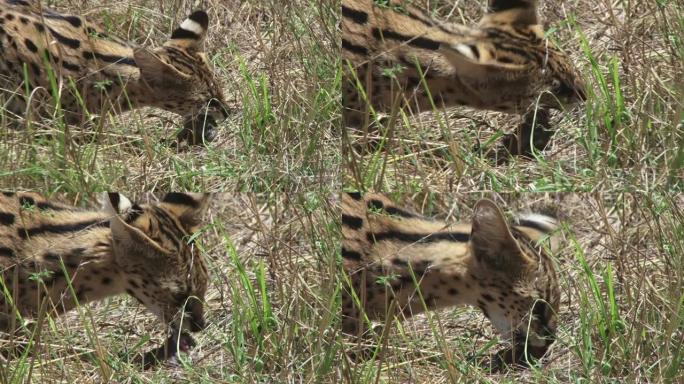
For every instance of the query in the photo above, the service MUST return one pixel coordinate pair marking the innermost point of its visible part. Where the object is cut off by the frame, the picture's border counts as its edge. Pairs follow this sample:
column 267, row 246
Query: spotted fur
column 143, row 250
column 391, row 254
column 96, row 73
column 400, row 57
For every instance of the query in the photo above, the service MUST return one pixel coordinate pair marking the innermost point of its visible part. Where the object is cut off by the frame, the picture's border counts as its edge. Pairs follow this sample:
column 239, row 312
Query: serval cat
column 49, row 56
column 54, row 257
column 395, row 258
column 398, row 57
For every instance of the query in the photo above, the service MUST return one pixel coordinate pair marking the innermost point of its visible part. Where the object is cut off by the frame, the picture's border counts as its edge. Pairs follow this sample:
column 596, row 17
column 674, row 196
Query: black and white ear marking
column 191, row 200
column 467, row 50
column 474, row 60
column 505, row 5
column 512, row 11
column 128, row 234
column 119, row 205
column 193, row 28
column 540, row 222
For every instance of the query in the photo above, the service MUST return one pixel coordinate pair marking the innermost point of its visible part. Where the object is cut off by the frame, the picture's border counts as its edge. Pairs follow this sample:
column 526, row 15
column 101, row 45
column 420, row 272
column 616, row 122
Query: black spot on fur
column 134, row 213
column 114, row 200
column 69, row 66
column 541, row 311
column 35, row 68
column 358, row 49
column 351, row 255
column 412, row 82
column 356, row 16
column 51, row 256
column 106, row 280
column 399, row 262
column 375, row 205
column 6, row 218
column 355, row 195
column 26, row 201
column 6, row 252
column 483, row 308
column 399, row 212
column 352, row 222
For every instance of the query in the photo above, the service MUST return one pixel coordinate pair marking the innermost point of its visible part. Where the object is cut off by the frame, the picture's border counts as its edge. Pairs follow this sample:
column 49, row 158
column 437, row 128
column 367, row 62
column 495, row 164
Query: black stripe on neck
column 109, row 58
column 69, row 42
column 26, row 233
column 421, row 238
column 418, row 42
column 359, row 17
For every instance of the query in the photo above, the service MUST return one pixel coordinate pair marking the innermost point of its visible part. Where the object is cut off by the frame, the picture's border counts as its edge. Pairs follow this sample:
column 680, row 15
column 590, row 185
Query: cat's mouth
column 198, row 130
column 168, row 352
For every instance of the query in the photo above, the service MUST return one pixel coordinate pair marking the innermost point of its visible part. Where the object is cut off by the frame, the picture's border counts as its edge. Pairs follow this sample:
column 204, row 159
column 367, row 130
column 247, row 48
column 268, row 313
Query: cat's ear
column 517, row 12
column 191, row 33
column 492, row 242
column 189, row 208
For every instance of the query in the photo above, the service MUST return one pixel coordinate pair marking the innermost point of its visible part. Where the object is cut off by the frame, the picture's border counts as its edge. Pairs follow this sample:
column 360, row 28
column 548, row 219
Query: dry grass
column 273, row 257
